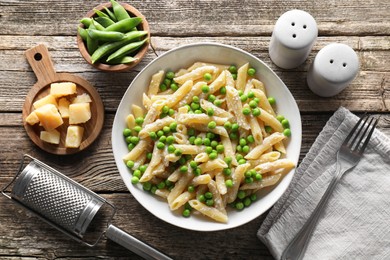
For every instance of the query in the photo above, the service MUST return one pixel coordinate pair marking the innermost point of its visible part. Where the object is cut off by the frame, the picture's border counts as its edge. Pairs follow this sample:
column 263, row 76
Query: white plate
column 183, row 57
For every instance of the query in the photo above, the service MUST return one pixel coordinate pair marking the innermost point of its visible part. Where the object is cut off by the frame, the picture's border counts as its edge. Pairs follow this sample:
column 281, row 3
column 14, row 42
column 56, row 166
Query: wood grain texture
column 363, row 25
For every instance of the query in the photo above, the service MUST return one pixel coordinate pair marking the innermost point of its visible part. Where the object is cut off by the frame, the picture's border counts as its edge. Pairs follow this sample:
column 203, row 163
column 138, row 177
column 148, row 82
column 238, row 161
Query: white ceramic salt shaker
column 333, row 69
column 292, row 39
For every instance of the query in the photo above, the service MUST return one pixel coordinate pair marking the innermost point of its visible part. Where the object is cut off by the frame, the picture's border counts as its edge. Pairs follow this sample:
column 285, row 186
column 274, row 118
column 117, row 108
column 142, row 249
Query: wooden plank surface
column 363, row 25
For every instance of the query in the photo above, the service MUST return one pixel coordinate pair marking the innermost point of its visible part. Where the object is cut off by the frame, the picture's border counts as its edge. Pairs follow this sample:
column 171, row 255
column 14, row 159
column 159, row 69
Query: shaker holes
column 331, row 61
column 344, row 64
column 304, row 26
column 293, row 24
column 294, row 35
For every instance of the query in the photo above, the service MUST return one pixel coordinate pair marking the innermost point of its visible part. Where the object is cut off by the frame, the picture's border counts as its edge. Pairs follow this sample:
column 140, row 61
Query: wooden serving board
column 40, row 61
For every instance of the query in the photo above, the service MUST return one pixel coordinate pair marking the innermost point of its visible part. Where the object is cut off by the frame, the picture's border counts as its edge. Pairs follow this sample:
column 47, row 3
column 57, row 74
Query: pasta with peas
column 207, row 139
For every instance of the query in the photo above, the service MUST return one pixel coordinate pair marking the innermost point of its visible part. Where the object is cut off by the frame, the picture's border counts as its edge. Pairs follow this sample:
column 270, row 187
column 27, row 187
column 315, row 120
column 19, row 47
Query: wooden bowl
column 144, row 26
column 39, row 59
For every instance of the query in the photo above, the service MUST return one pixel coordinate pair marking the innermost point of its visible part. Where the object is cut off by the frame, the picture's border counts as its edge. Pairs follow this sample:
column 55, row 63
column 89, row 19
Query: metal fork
column 348, row 156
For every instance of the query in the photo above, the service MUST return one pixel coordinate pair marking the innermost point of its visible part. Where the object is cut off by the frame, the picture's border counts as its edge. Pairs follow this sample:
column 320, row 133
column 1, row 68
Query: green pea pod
column 105, row 36
column 119, row 11
column 125, row 25
column 111, row 14
column 98, row 26
column 122, row 60
column 83, row 33
column 86, row 21
column 126, row 49
column 100, row 13
column 104, row 21
column 109, row 47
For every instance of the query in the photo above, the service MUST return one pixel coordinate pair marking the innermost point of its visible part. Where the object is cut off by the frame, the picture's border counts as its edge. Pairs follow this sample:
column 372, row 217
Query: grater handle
column 133, row 244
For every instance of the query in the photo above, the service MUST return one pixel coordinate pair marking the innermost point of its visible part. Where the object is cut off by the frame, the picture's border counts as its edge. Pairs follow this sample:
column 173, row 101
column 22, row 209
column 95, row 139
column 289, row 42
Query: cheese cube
column 63, row 107
column 49, row 117
column 32, row 118
column 49, row 99
column 79, row 113
column 52, row 136
column 83, row 98
column 74, row 135
column 62, row 89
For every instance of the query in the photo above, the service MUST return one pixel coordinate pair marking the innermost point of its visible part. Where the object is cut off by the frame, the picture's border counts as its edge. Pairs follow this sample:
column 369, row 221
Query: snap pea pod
column 100, row 13
column 111, row 14
column 83, row 33
column 86, row 21
column 105, row 36
column 124, row 25
column 119, row 11
column 92, row 45
column 122, row 60
column 98, row 26
column 109, row 47
column 126, row 49
column 104, row 21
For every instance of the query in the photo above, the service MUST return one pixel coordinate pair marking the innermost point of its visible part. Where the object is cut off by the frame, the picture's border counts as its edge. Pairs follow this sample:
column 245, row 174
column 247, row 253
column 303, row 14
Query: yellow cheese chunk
column 83, row 98
column 49, row 117
column 79, row 113
column 62, row 89
column 52, row 136
column 32, row 118
column 49, row 99
column 74, row 136
column 63, row 107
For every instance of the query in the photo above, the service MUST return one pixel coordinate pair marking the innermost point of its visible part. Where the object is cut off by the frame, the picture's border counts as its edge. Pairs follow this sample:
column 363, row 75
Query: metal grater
column 70, row 207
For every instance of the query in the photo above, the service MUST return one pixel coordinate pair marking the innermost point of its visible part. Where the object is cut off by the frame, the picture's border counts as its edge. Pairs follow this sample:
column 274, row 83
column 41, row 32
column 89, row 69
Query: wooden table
column 363, row 25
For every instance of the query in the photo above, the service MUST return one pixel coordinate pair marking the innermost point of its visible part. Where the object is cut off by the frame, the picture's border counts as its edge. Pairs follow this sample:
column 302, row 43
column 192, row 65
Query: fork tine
column 362, row 136
column 368, row 136
column 352, row 144
column 353, row 130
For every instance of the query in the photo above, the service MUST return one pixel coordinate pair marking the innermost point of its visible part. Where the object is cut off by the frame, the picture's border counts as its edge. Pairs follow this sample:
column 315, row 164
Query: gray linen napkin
column 356, row 221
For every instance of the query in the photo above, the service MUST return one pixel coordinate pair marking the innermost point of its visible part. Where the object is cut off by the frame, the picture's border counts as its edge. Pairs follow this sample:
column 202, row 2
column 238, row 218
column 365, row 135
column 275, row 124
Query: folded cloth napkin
column 355, row 223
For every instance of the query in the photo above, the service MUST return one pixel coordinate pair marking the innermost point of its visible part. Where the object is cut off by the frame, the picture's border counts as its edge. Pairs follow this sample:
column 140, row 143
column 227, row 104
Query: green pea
column 161, row 185
column 285, row 123
column 227, row 171
column 247, row 202
column 174, row 86
column 253, row 104
column 207, row 76
column 206, row 141
column 244, row 97
column 251, row 94
column 242, row 161
column 212, row 125
column 287, row 132
column 233, row 69
column 163, row 87
column 137, row 173
column 134, row 140
column 191, row 131
column 149, row 156
column 213, row 156
column 170, row 139
column 246, row 111
column 192, row 139
column 134, row 180
column 198, row 111
column 258, row 176
column 280, row 118
column 239, row 205
column 242, row 141
column 228, row 125
column 130, row 164
column 171, row 149
column 240, row 93
column 208, row 195
column 217, row 102
column 195, row 106
column 182, row 160
column 143, row 168
column 165, row 109
column 228, row 160
column 241, row 194
column 271, row 100
column 201, row 198
column 268, row 129
column 249, row 180
column 160, row 133
column 257, row 100
column 233, row 136
column 186, row 213
column 205, row 89
column 170, row 75
column 245, row 149
column 160, row 145
column 239, row 148
column 153, row 135
column 235, row 127
column 256, row 111
column 214, row 144
column 210, row 202
column 220, row 148
column 137, row 128
column 178, row 152
column 239, row 157
column 209, row 149
column 147, row 186
column 222, row 90
column 126, row 132
column 166, row 130
column 195, row 99
column 128, row 139
column 171, row 112
column 251, row 72
column 198, row 171
column 191, row 188
column 198, row 141
column 210, row 135
column 167, row 82
column 253, row 197
column 163, row 139
column 248, row 174
column 193, row 164
column 210, row 111
column 183, row 169
column 229, row 183
column 250, row 139
column 130, row 146
column 139, row 120
column 211, row 98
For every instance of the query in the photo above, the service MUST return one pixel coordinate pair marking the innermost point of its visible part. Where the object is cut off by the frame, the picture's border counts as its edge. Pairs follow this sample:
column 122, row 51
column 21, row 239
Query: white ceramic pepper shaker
column 333, row 69
column 292, row 39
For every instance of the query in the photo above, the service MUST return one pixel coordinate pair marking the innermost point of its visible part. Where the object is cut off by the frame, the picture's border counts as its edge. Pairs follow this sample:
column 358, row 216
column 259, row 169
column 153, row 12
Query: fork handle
column 297, row 247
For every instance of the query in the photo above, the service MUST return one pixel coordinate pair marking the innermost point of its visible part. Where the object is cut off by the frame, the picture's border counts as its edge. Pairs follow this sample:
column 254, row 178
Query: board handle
column 39, row 59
